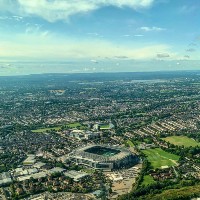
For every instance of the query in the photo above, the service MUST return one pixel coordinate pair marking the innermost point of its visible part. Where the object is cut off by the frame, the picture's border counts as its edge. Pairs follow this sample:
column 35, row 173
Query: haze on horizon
column 68, row 36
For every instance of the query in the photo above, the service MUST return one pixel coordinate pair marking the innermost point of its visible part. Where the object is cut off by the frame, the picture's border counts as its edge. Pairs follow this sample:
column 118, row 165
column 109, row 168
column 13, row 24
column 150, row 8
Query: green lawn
column 130, row 143
column 105, row 126
column 74, row 125
column 57, row 128
column 181, row 140
column 148, row 180
column 88, row 170
column 158, row 158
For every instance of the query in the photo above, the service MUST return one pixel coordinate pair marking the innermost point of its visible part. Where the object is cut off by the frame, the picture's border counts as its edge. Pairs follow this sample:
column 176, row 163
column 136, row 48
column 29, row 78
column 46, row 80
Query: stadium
column 103, row 157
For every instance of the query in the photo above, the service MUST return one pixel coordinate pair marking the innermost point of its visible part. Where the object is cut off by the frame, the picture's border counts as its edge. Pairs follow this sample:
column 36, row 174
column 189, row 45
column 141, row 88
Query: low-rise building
column 76, row 175
column 30, row 160
column 5, row 178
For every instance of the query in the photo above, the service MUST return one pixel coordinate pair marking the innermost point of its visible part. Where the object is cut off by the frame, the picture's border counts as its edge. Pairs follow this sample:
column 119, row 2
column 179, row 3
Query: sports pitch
column 159, row 158
column 182, row 141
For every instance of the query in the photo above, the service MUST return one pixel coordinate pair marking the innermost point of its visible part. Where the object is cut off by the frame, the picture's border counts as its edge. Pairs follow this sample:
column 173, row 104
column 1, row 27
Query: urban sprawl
column 100, row 136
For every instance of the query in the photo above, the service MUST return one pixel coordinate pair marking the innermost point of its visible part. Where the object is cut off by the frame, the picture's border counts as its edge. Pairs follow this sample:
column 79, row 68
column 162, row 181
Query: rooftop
column 76, row 175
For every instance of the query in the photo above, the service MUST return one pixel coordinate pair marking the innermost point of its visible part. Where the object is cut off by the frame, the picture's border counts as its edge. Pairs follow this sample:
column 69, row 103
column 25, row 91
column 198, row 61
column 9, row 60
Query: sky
column 72, row 36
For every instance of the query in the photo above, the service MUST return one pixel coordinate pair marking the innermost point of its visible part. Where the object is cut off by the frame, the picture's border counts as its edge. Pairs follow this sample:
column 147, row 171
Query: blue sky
column 44, row 36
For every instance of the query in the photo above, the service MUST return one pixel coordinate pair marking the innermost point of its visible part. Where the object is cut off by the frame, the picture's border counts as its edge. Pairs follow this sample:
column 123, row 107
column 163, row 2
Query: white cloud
column 16, row 18
column 36, row 46
column 53, row 10
column 3, row 17
column 94, row 61
column 36, row 29
column 45, row 33
column 139, row 35
column 32, row 29
column 153, row 28
column 93, row 34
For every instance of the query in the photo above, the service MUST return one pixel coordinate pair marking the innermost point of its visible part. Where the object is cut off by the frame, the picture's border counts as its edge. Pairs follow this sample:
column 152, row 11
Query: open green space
column 88, row 170
column 182, row 193
column 140, row 114
column 159, row 158
column 147, row 180
column 57, row 128
column 105, row 126
column 74, row 125
column 181, row 140
column 130, row 143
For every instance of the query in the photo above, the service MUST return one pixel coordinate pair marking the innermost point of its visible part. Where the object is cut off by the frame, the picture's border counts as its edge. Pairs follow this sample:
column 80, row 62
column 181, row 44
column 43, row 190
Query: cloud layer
column 154, row 28
column 54, row 10
column 36, row 45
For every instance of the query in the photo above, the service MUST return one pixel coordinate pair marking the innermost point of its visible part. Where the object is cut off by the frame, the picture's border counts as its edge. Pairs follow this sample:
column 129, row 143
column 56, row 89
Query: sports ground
column 182, row 141
column 159, row 158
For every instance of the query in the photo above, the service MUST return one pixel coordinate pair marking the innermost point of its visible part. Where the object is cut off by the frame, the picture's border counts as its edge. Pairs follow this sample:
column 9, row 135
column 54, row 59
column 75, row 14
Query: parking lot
column 123, row 180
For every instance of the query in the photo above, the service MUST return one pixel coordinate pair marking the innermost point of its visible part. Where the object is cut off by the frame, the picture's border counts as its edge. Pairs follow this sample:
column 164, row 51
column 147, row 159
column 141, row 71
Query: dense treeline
column 158, row 188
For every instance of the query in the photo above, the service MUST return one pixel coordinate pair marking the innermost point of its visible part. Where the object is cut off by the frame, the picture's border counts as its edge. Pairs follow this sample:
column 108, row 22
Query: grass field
column 105, row 126
column 130, row 143
column 57, row 128
column 181, row 140
column 74, row 125
column 158, row 158
column 148, row 180
column 88, row 170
